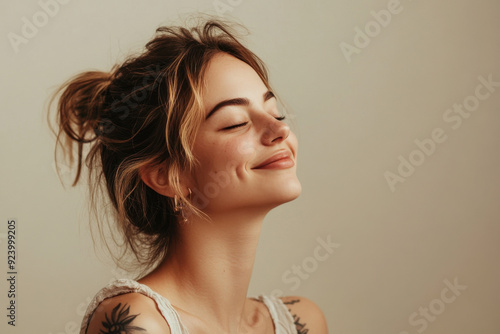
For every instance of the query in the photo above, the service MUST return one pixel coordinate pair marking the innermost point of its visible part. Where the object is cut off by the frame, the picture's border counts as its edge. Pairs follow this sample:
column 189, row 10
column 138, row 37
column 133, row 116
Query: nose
column 274, row 131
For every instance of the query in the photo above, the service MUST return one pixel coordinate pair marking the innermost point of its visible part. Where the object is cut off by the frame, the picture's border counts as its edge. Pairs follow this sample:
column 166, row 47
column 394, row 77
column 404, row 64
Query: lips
column 280, row 160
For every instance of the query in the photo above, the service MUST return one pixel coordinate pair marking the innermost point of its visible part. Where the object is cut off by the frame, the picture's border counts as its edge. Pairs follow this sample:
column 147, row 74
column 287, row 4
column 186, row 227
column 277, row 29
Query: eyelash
column 235, row 126
column 280, row 118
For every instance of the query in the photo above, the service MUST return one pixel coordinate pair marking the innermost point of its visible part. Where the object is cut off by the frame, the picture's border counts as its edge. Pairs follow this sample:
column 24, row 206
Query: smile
column 281, row 160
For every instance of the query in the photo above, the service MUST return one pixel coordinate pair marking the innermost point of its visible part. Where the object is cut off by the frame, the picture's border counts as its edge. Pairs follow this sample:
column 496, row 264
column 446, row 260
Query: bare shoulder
column 308, row 317
column 127, row 313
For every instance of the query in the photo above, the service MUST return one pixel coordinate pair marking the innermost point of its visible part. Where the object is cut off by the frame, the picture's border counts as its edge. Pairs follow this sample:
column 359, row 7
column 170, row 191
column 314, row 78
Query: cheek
column 238, row 154
column 232, row 156
column 245, row 149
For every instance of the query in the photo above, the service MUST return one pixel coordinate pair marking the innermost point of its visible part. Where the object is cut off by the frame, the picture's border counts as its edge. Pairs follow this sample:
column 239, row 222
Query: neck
column 210, row 267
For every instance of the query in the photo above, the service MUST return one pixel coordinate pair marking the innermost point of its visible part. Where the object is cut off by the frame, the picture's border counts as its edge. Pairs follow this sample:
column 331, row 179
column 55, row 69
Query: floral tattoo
column 120, row 322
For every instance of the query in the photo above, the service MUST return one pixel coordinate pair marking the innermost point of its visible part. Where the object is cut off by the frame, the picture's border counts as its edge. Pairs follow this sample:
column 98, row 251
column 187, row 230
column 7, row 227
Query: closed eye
column 279, row 118
column 235, row 126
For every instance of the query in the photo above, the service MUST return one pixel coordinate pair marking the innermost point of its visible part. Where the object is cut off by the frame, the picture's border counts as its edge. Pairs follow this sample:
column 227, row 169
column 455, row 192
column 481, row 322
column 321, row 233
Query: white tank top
column 282, row 319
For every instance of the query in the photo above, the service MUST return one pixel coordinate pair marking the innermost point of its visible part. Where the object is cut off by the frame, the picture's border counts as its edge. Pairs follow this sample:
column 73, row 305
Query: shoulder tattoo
column 120, row 322
column 301, row 327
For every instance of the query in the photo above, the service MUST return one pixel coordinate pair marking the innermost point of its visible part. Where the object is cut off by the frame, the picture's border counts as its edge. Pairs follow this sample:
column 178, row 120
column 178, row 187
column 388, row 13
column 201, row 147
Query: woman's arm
column 308, row 317
column 131, row 313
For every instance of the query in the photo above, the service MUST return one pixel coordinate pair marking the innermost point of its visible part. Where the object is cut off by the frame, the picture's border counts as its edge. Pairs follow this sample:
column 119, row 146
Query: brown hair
column 144, row 112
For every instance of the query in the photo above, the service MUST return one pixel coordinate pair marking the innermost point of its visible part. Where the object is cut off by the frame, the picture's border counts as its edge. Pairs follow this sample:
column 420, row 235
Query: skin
column 207, row 274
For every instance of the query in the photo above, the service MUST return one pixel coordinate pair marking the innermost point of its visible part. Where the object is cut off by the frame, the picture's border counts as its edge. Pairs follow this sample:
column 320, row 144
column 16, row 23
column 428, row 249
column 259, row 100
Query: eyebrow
column 239, row 101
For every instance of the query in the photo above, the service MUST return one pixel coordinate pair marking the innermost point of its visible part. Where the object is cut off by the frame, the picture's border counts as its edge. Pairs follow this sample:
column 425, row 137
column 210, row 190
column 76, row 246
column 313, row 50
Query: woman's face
column 247, row 154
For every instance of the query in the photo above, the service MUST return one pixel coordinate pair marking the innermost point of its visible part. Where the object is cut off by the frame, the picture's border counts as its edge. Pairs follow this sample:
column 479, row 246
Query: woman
column 194, row 153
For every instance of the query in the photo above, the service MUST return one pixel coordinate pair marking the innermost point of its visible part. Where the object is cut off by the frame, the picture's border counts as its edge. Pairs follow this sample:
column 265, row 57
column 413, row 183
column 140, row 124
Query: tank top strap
column 282, row 319
column 125, row 285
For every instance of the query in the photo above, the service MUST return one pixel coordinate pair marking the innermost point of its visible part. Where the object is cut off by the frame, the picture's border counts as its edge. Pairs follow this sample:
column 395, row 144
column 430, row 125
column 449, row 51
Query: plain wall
column 403, row 231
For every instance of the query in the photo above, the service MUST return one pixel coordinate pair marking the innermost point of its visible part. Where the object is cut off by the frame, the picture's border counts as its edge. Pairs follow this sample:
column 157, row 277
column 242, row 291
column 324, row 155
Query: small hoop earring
column 178, row 207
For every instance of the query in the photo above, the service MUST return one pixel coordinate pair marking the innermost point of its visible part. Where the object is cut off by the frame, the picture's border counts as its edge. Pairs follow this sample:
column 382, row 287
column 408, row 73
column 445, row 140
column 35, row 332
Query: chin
column 287, row 192
column 294, row 191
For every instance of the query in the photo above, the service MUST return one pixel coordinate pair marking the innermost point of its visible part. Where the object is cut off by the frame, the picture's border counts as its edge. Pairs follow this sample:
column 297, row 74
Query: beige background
column 354, row 119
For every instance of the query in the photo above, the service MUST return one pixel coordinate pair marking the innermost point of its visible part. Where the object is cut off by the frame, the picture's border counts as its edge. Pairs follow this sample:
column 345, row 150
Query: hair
column 144, row 112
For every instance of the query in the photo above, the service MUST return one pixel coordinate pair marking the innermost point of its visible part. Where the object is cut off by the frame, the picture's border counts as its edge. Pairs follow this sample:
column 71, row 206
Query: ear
column 156, row 177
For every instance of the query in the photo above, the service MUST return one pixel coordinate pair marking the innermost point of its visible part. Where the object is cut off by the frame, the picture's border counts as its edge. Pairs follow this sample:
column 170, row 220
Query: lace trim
column 282, row 319
column 124, row 285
